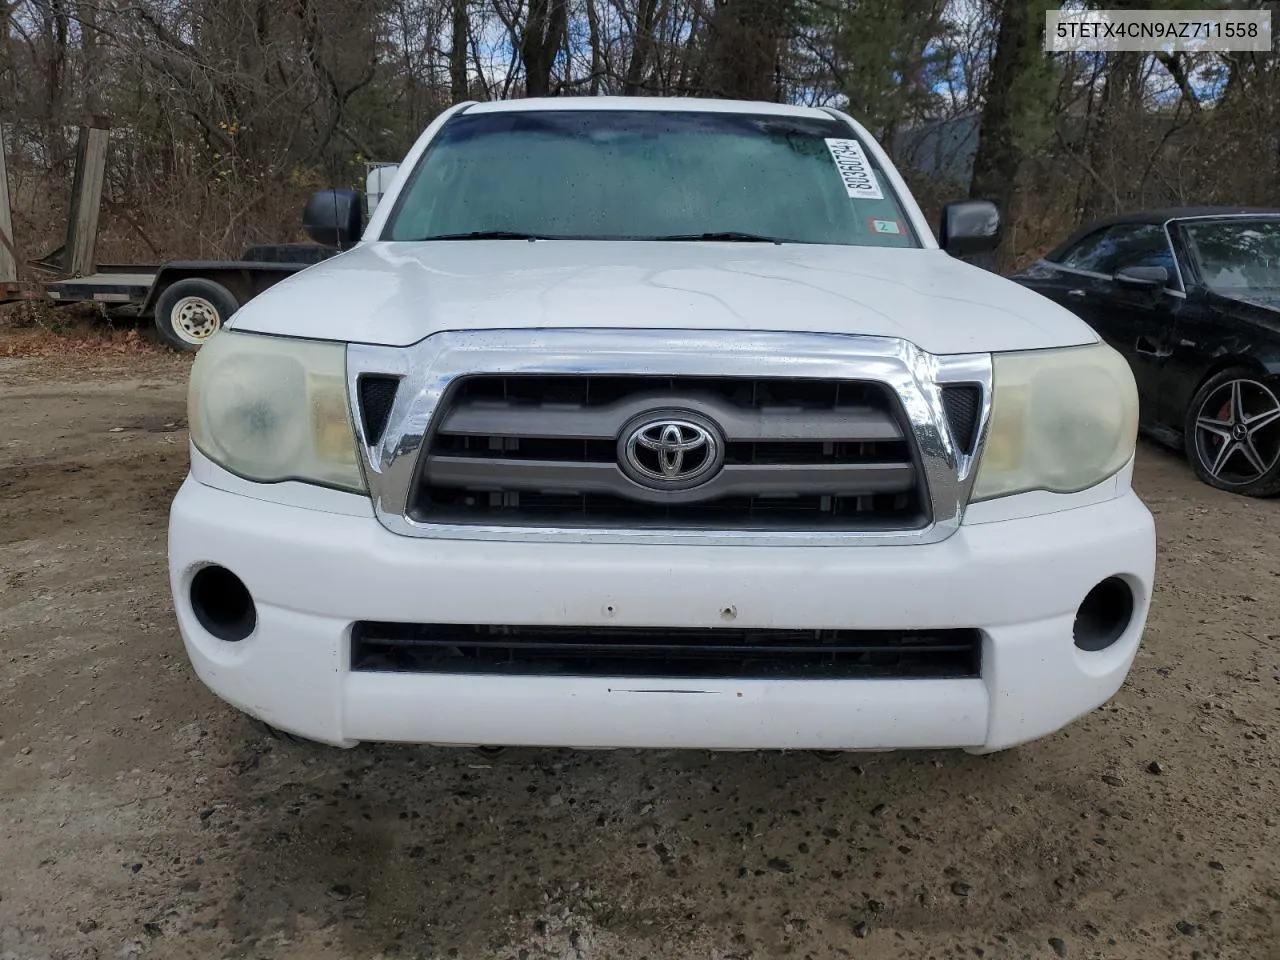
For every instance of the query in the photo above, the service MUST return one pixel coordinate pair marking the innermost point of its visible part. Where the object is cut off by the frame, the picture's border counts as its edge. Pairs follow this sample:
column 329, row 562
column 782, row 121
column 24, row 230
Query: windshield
column 1238, row 258
column 647, row 175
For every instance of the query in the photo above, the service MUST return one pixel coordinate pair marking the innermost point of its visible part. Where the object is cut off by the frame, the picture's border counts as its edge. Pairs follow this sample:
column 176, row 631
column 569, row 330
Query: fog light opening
column 1104, row 615
column 222, row 604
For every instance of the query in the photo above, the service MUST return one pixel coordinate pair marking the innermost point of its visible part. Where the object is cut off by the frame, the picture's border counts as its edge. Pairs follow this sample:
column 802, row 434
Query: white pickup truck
column 658, row 423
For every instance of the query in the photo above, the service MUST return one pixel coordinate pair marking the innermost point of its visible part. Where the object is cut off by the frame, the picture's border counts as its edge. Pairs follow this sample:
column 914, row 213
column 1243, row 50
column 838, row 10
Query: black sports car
column 1191, row 297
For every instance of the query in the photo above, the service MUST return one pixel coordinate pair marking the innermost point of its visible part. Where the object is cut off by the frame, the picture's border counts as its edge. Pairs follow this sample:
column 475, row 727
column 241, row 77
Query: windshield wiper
column 731, row 236
column 489, row 235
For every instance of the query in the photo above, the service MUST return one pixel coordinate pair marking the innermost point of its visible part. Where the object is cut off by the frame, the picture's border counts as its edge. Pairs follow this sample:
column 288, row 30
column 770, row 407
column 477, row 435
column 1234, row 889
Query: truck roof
column 683, row 104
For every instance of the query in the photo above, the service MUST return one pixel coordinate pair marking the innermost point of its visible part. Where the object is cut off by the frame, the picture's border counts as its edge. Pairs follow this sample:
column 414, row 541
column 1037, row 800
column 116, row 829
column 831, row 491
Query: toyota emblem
column 670, row 450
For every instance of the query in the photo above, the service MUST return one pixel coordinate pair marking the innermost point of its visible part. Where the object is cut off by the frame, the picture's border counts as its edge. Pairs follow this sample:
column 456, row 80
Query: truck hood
column 395, row 294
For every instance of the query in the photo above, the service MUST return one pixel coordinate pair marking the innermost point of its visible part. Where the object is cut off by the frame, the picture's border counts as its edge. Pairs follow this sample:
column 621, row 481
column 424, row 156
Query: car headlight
column 1061, row 420
column 274, row 408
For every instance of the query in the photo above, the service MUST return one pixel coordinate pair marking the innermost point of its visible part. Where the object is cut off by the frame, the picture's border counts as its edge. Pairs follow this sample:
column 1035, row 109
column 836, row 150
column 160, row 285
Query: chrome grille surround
column 430, row 367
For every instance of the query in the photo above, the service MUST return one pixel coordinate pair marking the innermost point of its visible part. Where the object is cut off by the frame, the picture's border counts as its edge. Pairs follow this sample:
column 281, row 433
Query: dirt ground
column 140, row 816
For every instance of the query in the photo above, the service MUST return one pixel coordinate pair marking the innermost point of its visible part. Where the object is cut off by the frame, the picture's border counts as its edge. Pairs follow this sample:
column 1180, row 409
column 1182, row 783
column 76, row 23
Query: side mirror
column 969, row 226
column 1142, row 278
column 334, row 218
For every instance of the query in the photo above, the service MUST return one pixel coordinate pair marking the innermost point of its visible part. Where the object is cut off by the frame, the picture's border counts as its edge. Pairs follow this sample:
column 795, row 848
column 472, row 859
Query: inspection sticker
column 855, row 170
column 887, row 226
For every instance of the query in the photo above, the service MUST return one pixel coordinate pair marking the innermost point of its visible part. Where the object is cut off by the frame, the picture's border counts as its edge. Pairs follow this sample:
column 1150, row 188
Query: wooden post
column 8, row 255
column 86, row 197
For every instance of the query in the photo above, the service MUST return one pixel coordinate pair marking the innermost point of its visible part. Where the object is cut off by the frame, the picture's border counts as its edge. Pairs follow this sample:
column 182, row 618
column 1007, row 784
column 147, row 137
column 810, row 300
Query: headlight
column 273, row 408
column 1061, row 420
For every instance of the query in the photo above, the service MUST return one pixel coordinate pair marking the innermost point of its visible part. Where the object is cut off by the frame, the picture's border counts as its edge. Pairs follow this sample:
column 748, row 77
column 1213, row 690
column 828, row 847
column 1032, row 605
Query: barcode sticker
column 855, row 170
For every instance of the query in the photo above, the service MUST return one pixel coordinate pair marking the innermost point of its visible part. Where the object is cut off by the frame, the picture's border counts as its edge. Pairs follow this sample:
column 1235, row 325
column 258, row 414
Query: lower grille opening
column 667, row 652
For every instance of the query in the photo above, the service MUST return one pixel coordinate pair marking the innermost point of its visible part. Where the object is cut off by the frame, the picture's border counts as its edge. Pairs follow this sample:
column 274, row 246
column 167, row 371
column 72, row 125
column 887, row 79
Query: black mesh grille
column 597, row 390
column 889, row 511
column 669, row 652
column 377, row 394
column 962, row 404
column 606, row 451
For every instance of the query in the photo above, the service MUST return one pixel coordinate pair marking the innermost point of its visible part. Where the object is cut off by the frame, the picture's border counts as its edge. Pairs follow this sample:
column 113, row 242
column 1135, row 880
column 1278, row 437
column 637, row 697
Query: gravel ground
column 139, row 816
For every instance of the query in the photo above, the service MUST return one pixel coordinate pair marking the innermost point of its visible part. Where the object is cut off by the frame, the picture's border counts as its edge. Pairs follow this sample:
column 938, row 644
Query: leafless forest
column 226, row 112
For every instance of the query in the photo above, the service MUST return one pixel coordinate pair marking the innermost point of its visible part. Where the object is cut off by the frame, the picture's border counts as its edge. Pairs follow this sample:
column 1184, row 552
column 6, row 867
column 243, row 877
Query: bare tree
column 744, row 48
column 1010, row 97
column 225, row 113
column 539, row 39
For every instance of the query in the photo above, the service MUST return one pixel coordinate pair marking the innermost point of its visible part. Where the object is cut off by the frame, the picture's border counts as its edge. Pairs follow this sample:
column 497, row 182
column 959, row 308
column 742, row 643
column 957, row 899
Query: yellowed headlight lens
column 1061, row 420
column 274, row 408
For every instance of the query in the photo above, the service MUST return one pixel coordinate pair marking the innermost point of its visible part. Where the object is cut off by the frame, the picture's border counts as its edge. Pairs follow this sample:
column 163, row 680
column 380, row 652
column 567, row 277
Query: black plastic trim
column 222, row 604
column 962, row 404
column 377, row 394
column 670, row 652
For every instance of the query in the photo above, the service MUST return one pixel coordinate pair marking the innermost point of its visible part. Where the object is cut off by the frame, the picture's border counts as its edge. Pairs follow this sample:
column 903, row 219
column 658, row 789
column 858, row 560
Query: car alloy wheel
column 1237, row 434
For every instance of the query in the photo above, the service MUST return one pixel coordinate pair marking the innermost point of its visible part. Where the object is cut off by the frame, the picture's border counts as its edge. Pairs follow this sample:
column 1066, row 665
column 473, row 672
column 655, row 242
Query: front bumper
column 312, row 573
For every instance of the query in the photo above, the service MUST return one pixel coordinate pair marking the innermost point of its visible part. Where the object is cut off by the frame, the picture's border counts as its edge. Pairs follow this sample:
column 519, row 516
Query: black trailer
column 187, row 299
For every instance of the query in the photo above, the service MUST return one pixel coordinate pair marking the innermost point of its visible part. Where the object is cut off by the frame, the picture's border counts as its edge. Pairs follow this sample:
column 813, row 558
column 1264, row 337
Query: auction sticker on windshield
column 855, row 170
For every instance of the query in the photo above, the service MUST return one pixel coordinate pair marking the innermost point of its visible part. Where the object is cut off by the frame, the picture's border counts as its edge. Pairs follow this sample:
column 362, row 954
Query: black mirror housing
column 1142, row 278
column 969, row 226
column 334, row 218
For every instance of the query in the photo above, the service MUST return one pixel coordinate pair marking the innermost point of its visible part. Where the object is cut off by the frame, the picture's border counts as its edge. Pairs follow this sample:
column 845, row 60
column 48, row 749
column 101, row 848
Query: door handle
column 1077, row 292
column 1146, row 346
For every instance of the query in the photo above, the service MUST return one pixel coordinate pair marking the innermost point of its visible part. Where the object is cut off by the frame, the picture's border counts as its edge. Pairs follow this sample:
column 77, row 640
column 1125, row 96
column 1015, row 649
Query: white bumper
column 313, row 573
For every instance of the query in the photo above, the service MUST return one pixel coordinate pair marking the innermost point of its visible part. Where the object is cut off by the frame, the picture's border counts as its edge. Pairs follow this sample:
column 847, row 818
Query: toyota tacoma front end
column 652, row 423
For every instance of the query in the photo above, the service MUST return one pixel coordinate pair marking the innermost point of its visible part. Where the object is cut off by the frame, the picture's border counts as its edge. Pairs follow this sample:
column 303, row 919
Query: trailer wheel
column 190, row 311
